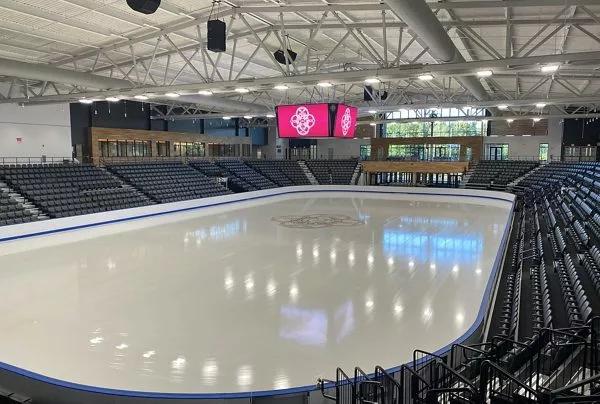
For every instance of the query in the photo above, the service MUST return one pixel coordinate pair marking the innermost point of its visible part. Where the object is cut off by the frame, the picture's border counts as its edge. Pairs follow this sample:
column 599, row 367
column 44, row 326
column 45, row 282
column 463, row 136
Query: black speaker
column 280, row 56
column 216, row 35
column 144, row 6
column 368, row 91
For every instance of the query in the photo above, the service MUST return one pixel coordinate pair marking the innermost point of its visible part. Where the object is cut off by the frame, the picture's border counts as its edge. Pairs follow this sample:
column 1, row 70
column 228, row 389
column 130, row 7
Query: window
column 163, row 149
column 365, row 151
column 543, row 154
column 426, row 152
column 441, row 128
column 191, row 149
column 496, row 151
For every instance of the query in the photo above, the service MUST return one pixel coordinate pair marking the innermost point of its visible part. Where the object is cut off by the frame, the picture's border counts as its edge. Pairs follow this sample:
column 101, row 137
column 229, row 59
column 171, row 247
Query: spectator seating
column 168, row 182
column 61, row 190
column 12, row 211
column 292, row 170
column 243, row 178
column 271, row 171
column 332, row 171
column 208, row 168
column 496, row 174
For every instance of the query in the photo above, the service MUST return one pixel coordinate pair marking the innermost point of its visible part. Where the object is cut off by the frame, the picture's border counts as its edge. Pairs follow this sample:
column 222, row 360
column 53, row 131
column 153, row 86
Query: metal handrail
column 575, row 385
column 41, row 160
column 483, row 379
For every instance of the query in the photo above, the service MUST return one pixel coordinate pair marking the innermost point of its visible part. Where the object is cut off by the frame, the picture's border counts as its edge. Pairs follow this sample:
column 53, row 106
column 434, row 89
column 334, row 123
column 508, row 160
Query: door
column 496, row 153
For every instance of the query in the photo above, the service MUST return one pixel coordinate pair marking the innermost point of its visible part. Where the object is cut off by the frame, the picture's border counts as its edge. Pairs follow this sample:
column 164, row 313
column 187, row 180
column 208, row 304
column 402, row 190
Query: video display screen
column 345, row 122
column 303, row 121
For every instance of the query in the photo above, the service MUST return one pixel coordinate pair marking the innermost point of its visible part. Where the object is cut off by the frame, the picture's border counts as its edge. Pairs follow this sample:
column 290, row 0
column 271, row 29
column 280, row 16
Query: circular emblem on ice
column 346, row 122
column 316, row 221
column 302, row 121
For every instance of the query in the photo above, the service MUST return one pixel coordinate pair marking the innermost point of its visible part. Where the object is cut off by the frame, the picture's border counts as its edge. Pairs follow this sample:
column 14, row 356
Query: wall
column 43, row 130
column 342, row 148
column 527, row 147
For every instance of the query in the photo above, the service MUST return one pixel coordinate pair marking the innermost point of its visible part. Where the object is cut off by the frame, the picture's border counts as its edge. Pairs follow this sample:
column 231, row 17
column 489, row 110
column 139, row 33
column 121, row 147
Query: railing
column 345, row 388
column 495, row 382
column 391, row 388
column 35, row 160
column 584, row 391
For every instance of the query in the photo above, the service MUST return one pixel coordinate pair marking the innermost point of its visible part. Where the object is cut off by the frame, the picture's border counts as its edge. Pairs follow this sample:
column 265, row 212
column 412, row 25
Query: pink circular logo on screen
column 346, row 122
column 302, row 121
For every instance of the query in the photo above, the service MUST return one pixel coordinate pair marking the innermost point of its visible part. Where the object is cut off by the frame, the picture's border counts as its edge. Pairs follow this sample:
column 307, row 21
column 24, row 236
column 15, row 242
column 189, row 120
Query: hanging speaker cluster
column 144, row 6
column 370, row 94
column 216, row 30
column 216, row 35
column 280, row 56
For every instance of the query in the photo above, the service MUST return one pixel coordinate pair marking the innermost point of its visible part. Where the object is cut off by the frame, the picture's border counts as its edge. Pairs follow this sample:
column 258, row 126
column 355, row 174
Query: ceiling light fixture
column 540, row 105
column 373, row 124
column 484, row 73
column 226, row 118
column 372, row 80
column 270, row 116
column 140, row 97
column 324, row 84
column 549, row 68
column 242, row 90
column 113, row 99
column 503, row 107
column 86, row 101
column 510, row 120
column 281, row 87
column 426, row 77
column 537, row 119
column 207, row 93
column 372, row 111
column 247, row 116
column 172, row 95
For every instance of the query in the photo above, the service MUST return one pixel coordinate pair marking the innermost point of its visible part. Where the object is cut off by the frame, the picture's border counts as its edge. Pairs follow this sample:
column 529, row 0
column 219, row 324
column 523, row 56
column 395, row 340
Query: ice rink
column 258, row 295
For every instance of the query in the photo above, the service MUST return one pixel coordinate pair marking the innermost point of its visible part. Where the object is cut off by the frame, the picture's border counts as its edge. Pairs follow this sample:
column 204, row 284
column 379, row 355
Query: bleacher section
column 544, row 341
column 61, row 190
column 337, row 172
column 282, row 172
column 168, row 182
column 12, row 211
column 243, row 178
column 496, row 174
column 208, row 168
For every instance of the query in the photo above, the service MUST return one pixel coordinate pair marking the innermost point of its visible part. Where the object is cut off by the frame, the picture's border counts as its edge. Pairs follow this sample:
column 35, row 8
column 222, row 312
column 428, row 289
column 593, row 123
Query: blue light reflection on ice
column 218, row 232
column 431, row 239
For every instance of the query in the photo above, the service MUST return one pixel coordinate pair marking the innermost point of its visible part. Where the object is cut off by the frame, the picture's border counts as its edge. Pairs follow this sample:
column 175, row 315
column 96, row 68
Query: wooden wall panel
column 97, row 134
column 436, row 167
column 379, row 146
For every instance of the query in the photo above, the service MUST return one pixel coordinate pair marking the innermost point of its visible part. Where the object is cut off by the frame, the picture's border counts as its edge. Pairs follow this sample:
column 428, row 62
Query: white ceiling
column 105, row 37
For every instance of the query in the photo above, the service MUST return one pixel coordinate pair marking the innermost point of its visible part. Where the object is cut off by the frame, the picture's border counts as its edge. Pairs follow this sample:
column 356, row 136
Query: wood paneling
column 436, row 167
column 97, row 134
column 379, row 146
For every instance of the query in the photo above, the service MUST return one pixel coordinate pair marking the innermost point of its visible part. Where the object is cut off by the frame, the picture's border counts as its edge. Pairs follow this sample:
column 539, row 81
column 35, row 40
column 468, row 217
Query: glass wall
column 543, row 154
column 426, row 152
column 496, row 151
column 437, row 128
column 125, row 148
column 365, row 151
column 189, row 149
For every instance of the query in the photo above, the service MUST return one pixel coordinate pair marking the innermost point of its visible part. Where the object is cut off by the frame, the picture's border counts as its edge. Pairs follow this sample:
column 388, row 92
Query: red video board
column 345, row 122
column 303, row 121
